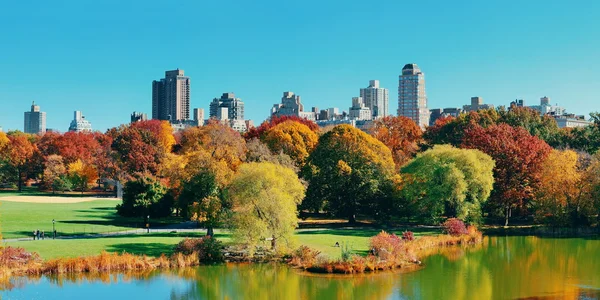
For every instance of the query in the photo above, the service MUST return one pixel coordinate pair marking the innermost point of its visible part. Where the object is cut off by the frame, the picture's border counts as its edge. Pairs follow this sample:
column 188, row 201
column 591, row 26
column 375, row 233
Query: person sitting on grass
column 337, row 244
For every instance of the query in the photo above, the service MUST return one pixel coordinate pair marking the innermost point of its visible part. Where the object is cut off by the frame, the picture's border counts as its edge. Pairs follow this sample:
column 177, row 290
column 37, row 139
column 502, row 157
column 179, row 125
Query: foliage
column 408, row 236
column 386, row 246
column 450, row 181
column 201, row 200
column 19, row 154
column 259, row 152
column 81, row 175
column 161, row 130
column 257, row 132
column 54, row 172
column 142, row 197
column 519, row 159
column 292, row 138
column 207, row 248
column 346, row 250
column 136, row 150
column 401, row 134
column 265, row 198
column 454, row 226
column 346, row 172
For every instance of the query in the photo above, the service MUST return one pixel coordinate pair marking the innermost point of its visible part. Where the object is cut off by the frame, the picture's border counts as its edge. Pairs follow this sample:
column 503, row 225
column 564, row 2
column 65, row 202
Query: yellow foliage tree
column 82, row 174
column 292, row 138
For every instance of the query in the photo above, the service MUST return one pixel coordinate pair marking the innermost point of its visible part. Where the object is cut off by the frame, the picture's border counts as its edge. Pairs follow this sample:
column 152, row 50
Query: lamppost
column 53, row 229
column 148, row 224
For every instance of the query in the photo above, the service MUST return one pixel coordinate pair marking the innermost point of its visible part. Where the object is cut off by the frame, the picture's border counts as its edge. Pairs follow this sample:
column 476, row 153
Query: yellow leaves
column 344, row 168
column 292, row 138
column 560, row 177
column 85, row 173
column 165, row 136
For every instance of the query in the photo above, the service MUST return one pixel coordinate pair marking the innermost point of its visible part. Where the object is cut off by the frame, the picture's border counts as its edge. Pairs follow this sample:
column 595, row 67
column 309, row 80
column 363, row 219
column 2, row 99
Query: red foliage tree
column 519, row 157
column 135, row 150
column 20, row 152
column 401, row 134
column 257, row 132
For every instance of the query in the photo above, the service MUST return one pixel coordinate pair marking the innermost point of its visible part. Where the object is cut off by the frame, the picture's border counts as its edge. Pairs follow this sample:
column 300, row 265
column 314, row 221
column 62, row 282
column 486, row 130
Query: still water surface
column 501, row 268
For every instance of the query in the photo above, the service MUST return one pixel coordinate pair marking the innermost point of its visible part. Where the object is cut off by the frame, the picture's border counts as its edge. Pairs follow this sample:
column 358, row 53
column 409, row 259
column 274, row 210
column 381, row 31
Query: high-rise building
column 198, row 116
column 35, row 120
column 359, row 111
column 291, row 105
column 79, row 123
column 545, row 108
column 477, row 104
column 412, row 99
column 376, row 99
column 138, row 116
column 235, row 107
column 171, row 97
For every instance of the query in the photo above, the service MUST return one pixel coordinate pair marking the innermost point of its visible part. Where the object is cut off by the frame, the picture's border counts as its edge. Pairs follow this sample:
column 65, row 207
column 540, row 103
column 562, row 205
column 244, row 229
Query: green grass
column 324, row 240
column 140, row 244
column 18, row 219
column 34, row 191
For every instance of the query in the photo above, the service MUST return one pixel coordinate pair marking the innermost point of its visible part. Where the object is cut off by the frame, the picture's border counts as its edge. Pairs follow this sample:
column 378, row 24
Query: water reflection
column 500, row 268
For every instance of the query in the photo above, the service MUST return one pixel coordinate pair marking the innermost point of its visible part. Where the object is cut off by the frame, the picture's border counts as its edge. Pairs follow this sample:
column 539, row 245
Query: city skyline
column 497, row 50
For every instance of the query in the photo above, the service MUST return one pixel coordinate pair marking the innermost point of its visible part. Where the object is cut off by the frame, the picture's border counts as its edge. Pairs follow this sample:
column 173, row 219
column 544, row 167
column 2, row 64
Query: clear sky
column 100, row 57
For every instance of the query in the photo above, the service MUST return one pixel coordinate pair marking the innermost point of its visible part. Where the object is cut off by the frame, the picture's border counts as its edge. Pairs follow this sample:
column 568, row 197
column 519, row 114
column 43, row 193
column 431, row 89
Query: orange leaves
column 401, row 134
column 292, row 138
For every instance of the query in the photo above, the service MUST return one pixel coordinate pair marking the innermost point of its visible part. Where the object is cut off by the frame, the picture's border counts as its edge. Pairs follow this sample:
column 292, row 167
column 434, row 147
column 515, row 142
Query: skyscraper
column 198, row 116
column 376, row 99
column 171, row 97
column 35, row 120
column 79, row 123
column 235, row 107
column 291, row 105
column 412, row 99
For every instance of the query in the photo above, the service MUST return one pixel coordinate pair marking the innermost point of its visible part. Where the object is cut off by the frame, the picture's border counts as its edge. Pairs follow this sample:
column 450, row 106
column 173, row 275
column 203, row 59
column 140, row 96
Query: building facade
column 359, row 111
column 437, row 113
column 198, row 116
column 412, row 98
column 138, row 116
column 171, row 97
column 291, row 105
column 376, row 99
column 571, row 121
column 35, row 120
column 79, row 123
column 234, row 107
column 545, row 108
column 477, row 104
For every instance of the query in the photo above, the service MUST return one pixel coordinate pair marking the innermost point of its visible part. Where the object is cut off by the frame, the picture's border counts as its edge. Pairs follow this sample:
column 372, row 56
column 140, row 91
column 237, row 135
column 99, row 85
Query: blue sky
column 100, row 57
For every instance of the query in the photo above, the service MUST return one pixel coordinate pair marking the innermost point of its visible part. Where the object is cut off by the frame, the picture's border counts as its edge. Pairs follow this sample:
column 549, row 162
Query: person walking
column 37, row 233
column 34, row 235
column 43, row 235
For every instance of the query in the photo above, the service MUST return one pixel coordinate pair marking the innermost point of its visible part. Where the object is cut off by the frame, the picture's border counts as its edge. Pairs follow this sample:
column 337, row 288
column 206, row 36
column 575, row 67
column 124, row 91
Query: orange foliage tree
column 82, row 174
column 257, row 132
column 19, row 153
column 292, row 138
column 401, row 134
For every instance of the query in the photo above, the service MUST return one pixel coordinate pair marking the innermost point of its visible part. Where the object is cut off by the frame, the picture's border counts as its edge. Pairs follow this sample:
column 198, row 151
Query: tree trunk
column 210, row 231
column 507, row 215
column 352, row 219
column 20, row 181
column 273, row 243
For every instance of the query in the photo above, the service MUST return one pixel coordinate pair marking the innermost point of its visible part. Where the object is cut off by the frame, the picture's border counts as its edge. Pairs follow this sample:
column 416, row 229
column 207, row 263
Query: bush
column 208, row 249
column 386, row 245
column 346, row 252
column 454, row 226
column 408, row 236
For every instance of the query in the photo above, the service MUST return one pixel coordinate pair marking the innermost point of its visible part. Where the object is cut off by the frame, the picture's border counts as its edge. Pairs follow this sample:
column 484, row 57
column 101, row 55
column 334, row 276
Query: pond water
column 501, row 268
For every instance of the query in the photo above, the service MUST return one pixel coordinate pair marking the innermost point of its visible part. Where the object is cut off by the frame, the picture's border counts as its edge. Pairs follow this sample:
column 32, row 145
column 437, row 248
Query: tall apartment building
column 171, row 97
column 234, row 106
column 291, row 105
column 35, row 120
column 359, row 111
column 79, row 123
column 376, row 99
column 198, row 116
column 412, row 99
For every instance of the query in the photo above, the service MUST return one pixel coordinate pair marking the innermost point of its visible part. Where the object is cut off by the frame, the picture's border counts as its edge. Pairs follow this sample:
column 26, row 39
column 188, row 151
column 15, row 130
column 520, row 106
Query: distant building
column 235, row 107
column 138, row 116
column 376, row 99
column 571, row 121
column 79, row 123
column 171, row 97
column 359, row 111
column 198, row 116
column 546, row 109
column 437, row 113
column 518, row 103
column 412, row 99
column 291, row 105
column 477, row 104
column 35, row 120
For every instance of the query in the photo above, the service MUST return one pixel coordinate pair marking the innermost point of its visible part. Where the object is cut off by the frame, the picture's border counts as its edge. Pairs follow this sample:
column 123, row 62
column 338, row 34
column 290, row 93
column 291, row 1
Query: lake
column 501, row 268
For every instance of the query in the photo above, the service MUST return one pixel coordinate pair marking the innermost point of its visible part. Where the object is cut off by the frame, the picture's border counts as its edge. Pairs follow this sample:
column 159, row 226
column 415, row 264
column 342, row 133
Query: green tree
column 142, row 197
column 346, row 172
column 449, row 181
column 265, row 198
column 203, row 198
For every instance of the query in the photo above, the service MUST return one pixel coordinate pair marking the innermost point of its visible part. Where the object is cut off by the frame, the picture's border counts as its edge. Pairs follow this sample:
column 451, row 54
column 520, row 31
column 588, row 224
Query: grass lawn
column 20, row 219
column 151, row 245
column 357, row 239
column 34, row 191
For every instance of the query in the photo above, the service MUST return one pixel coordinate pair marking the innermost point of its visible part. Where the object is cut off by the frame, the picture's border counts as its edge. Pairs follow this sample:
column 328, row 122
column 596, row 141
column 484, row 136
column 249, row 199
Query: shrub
column 208, row 249
column 454, row 226
column 304, row 257
column 346, row 252
column 386, row 245
column 11, row 257
column 408, row 236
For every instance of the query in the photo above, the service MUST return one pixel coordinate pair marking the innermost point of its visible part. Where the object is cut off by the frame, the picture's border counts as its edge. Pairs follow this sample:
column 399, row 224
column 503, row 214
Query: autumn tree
column 519, row 158
column 346, row 172
column 259, row 152
column 292, row 138
column 136, row 150
column 401, row 134
column 265, row 198
column 161, row 130
column 449, row 181
column 257, row 132
column 450, row 130
column 54, row 173
column 542, row 126
column 204, row 198
column 19, row 154
column 82, row 175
